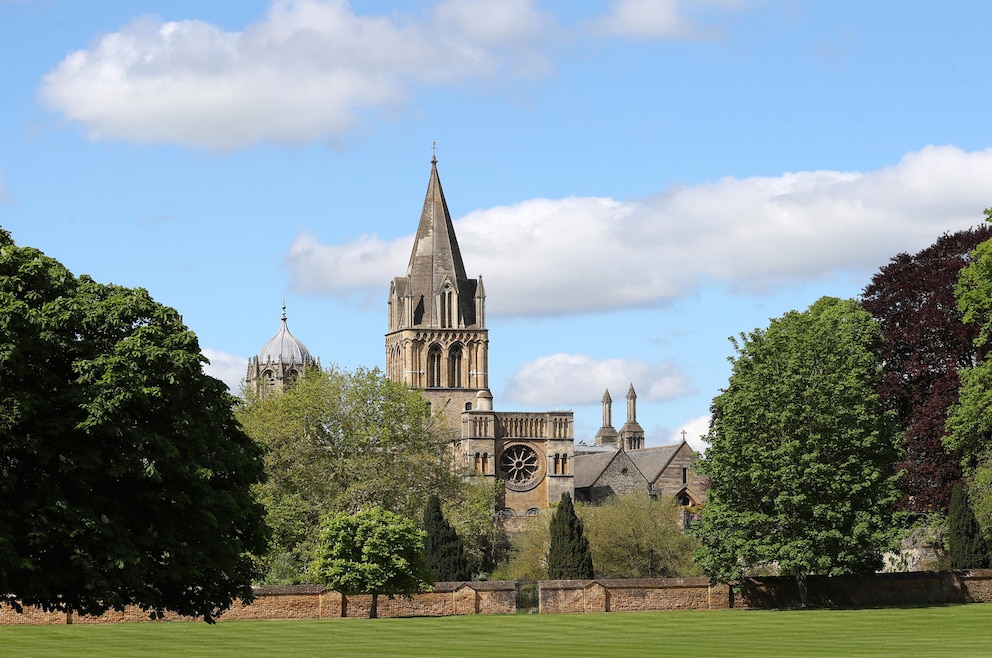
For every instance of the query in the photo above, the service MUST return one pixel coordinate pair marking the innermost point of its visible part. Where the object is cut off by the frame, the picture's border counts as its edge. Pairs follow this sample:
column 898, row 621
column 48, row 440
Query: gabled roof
column 588, row 467
column 652, row 461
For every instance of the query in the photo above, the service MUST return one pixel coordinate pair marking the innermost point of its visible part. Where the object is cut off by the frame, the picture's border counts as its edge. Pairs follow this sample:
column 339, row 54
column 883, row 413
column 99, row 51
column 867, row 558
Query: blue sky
column 636, row 180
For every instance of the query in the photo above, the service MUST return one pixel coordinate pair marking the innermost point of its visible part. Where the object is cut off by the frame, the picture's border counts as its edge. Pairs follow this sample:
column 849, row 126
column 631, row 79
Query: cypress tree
column 965, row 541
column 569, row 557
column 443, row 548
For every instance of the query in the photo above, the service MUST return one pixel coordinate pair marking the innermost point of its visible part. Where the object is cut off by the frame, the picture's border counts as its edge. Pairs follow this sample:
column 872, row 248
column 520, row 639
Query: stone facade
column 662, row 471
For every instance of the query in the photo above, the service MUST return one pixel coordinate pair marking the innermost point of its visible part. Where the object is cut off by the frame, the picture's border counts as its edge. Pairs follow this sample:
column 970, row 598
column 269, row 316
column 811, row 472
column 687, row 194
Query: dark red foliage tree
column 925, row 344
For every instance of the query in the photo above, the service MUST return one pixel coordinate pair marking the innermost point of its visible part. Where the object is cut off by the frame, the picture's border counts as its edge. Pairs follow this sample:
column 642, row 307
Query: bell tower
column 437, row 339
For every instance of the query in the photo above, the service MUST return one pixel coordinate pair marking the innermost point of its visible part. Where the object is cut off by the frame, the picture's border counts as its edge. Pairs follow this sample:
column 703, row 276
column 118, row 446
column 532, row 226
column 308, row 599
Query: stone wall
column 573, row 596
column 312, row 602
column 565, row 596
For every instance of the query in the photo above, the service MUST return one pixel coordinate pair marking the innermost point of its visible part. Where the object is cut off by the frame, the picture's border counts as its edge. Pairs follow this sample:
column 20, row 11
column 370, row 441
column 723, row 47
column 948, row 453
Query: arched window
column 455, row 367
column 485, row 462
column 447, row 302
column 434, row 367
column 564, row 464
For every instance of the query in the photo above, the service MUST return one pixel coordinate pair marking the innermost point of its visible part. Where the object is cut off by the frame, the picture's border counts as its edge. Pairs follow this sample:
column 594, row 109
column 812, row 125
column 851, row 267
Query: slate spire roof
column 437, row 260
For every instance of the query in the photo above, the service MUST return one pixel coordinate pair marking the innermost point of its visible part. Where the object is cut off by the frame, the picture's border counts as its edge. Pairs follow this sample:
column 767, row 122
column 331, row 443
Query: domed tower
column 279, row 362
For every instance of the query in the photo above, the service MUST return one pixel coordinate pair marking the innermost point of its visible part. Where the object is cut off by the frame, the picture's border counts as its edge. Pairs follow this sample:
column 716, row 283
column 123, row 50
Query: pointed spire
column 631, row 405
column 607, row 409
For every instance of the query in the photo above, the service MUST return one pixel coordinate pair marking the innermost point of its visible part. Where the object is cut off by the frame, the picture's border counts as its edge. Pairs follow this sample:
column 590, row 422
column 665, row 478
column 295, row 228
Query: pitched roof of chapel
column 588, row 467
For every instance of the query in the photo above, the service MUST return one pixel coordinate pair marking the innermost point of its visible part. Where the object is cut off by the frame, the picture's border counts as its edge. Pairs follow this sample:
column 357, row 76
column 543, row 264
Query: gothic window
column 455, row 367
column 269, row 378
column 478, row 463
column 447, row 312
column 485, row 462
column 685, row 476
column 557, row 467
column 564, row 464
column 434, row 367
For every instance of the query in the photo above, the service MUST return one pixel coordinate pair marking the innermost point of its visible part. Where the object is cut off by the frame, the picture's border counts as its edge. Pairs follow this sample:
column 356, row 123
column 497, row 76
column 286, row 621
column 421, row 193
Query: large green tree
column 801, row 452
column 124, row 476
column 569, row 556
column 341, row 441
column 634, row 536
column 373, row 551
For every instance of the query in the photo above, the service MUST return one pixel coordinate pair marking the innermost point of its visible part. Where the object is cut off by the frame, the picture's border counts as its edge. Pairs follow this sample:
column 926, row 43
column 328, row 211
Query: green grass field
column 964, row 630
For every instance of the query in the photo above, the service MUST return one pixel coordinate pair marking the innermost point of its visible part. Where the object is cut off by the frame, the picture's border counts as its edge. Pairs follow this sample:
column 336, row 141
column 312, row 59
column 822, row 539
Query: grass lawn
column 963, row 630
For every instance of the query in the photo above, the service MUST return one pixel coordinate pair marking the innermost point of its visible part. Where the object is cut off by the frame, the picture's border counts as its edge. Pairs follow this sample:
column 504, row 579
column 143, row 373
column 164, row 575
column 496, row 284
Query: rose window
column 520, row 467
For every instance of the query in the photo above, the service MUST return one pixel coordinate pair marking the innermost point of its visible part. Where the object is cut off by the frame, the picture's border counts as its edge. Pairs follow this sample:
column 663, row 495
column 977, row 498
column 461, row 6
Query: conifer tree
column 443, row 548
column 967, row 546
column 569, row 557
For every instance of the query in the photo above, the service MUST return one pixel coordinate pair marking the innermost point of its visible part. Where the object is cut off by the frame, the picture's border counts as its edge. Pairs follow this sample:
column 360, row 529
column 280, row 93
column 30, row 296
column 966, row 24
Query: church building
column 437, row 342
column 280, row 361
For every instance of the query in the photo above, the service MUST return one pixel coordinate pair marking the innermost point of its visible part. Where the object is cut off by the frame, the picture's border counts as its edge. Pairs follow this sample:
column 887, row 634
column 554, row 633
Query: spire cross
column 683, row 435
column 434, row 151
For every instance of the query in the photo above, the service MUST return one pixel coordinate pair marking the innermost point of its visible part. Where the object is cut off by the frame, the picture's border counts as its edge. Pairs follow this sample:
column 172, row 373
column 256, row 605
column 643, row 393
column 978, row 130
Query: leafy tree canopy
column 801, row 452
column 373, row 551
column 569, row 556
column 342, row 441
column 925, row 342
column 125, row 477
column 633, row 536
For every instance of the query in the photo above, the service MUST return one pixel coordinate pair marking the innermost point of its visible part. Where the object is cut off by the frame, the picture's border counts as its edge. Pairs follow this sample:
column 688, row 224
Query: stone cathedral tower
column 437, row 339
column 437, row 342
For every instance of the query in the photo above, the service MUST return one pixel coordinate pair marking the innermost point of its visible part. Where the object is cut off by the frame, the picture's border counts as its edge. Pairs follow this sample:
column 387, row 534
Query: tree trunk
column 374, row 610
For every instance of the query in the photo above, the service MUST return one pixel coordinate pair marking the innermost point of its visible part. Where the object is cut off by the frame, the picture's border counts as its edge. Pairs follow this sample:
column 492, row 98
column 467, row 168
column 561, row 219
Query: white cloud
column 583, row 254
column 575, row 379
column 228, row 368
column 658, row 19
column 309, row 70
column 695, row 429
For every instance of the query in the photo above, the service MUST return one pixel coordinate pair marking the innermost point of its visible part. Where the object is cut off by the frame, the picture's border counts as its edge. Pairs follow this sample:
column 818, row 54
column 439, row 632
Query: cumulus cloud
column 228, row 368
column 309, row 70
column 584, row 254
column 695, row 431
column 574, row 379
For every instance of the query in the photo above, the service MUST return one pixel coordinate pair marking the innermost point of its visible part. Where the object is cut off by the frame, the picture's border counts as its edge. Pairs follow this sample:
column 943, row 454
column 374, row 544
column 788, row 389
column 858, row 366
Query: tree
column 966, row 544
column 126, row 478
column 472, row 513
column 568, row 548
column 801, row 452
column 443, row 547
column 925, row 342
column 341, row 441
column 633, row 536
column 371, row 552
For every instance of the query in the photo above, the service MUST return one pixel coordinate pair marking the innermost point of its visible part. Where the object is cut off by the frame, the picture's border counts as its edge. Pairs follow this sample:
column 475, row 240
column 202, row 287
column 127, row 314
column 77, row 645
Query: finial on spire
column 434, row 152
column 284, row 308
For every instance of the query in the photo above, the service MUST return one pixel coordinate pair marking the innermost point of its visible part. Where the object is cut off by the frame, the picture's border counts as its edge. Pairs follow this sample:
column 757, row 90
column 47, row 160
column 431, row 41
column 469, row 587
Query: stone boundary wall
column 566, row 596
column 312, row 602
column 870, row 590
column 573, row 596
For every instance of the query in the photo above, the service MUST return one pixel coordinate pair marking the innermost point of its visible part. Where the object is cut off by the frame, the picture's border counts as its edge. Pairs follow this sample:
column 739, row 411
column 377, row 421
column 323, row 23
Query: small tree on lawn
column 372, row 552
column 569, row 556
column 443, row 547
column 967, row 546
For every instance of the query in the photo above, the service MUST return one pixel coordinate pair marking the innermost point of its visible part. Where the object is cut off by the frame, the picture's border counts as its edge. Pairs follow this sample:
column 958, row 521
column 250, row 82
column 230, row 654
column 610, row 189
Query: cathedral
column 437, row 342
